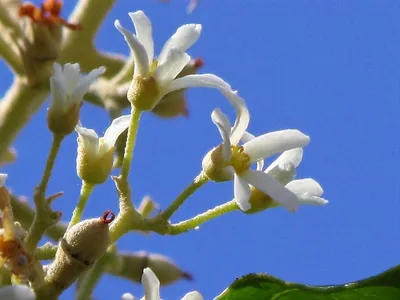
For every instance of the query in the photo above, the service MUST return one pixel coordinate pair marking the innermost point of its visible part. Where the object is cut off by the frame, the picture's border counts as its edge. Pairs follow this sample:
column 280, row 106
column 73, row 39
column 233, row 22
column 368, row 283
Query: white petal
column 198, row 80
column 128, row 296
column 142, row 64
column 242, row 193
column 306, row 185
column 224, row 128
column 242, row 115
column 194, row 295
column 72, row 76
column 246, row 138
column 58, row 96
column 89, row 139
column 17, row 292
column 284, row 173
column 118, row 126
column 3, row 178
column 272, row 188
column 182, row 39
column 275, row 142
column 170, row 67
column 83, row 86
column 144, row 32
column 58, row 73
column 151, row 285
column 293, row 156
column 306, row 198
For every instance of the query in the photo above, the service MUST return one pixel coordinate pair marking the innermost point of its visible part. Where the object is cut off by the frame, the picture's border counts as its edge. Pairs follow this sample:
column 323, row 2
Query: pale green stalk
column 44, row 216
column 86, row 191
column 130, row 142
column 217, row 211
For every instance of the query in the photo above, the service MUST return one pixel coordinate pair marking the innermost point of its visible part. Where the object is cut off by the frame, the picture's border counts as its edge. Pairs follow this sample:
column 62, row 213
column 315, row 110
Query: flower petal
column 17, row 292
column 306, row 198
column 83, row 86
column 284, row 173
column 224, row 128
column 3, row 178
column 275, row 142
column 142, row 64
column 169, row 67
column 242, row 115
column 89, row 139
column 72, row 76
column 293, row 156
column 241, row 193
column 128, row 296
column 118, row 126
column 182, row 39
column 58, row 97
column 272, row 188
column 198, row 80
column 144, row 32
column 246, row 138
column 194, row 295
column 306, row 185
column 151, row 285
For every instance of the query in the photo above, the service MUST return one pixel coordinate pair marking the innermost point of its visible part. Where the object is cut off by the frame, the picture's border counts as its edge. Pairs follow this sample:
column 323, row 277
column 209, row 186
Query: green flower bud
column 65, row 122
column 95, row 155
column 131, row 266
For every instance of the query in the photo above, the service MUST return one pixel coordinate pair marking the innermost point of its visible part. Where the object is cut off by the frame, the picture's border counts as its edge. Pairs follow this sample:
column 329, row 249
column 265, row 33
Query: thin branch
column 16, row 108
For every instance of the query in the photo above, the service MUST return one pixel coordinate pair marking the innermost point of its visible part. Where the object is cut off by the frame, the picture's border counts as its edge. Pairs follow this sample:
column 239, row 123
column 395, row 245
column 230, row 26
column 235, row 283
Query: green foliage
column 385, row 286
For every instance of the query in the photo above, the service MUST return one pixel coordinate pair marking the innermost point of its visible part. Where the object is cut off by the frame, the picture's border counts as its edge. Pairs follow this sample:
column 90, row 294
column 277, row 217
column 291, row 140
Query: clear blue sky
column 328, row 68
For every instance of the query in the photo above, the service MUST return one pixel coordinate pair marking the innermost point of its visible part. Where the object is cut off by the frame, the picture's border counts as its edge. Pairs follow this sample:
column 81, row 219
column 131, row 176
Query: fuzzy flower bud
column 17, row 292
column 68, row 86
column 95, row 155
column 81, row 246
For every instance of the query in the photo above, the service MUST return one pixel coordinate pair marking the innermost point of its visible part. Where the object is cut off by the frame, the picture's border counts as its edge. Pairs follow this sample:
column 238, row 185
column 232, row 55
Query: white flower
column 3, row 178
column 17, row 292
column 171, row 60
column 96, row 147
column 151, row 286
column 68, row 86
column 308, row 191
column 238, row 160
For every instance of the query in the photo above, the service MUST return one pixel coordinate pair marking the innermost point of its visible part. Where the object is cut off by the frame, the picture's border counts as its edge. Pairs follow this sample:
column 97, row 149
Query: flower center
column 240, row 160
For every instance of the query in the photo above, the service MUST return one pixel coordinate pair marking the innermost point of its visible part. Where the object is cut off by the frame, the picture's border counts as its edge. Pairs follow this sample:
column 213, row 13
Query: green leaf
column 385, row 286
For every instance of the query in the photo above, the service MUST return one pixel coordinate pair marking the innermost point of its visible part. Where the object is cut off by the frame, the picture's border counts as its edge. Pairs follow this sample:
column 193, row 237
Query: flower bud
column 81, row 246
column 17, row 292
column 131, row 266
column 143, row 93
column 95, row 155
column 174, row 104
column 214, row 165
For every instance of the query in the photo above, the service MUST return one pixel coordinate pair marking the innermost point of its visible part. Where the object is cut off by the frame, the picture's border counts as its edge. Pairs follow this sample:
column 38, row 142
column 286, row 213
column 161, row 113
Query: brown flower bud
column 174, row 104
column 131, row 266
column 81, row 246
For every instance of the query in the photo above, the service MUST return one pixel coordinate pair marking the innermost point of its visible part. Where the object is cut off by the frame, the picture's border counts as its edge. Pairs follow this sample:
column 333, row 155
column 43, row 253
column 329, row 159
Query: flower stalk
column 86, row 191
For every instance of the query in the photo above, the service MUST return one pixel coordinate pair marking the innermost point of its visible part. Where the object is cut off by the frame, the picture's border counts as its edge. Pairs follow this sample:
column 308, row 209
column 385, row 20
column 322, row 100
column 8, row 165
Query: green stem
column 86, row 191
column 91, row 278
column 197, row 183
column 130, row 142
column 217, row 211
column 44, row 216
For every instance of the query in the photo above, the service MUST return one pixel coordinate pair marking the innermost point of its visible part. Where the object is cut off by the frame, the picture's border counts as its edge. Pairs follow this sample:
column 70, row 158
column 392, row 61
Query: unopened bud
column 81, row 246
column 143, row 93
column 131, row 266
column 214, row 166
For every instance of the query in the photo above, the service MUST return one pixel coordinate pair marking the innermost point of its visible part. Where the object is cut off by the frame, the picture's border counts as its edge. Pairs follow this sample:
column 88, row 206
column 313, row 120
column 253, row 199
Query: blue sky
column 328, row 68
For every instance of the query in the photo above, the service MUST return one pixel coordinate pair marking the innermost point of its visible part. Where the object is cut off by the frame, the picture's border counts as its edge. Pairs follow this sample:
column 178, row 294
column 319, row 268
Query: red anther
column 198, row 62
column 108, row 217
